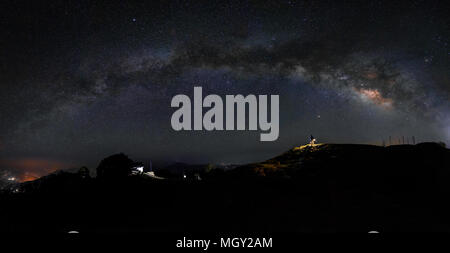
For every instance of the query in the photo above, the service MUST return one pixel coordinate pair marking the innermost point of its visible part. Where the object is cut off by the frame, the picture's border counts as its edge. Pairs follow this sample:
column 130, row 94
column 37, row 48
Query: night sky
column 82, row 80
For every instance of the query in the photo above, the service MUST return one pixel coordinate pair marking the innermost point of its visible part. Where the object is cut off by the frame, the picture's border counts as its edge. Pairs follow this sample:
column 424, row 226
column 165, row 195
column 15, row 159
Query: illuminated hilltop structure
column 312, row 140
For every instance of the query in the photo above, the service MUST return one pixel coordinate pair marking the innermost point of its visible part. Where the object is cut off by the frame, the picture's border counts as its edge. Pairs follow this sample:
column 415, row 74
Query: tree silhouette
column 114, row 167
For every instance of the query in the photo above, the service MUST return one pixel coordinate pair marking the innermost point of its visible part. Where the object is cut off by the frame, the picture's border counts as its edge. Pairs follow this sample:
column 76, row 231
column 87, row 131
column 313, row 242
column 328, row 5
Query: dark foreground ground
column 321, row 189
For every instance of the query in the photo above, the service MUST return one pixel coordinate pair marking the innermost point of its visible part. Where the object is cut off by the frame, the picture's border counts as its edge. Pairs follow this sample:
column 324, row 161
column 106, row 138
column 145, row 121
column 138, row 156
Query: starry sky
column 81, row 80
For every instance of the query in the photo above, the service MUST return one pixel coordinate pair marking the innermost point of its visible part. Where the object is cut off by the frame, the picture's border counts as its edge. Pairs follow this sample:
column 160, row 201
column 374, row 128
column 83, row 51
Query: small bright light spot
column 11, row 179
column 184, row 176
column 73, row 232
column 373, row 232
column 140, row 169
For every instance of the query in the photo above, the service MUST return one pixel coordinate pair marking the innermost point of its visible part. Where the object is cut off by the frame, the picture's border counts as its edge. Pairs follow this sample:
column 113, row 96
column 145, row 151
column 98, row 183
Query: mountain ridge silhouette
column 308, row 189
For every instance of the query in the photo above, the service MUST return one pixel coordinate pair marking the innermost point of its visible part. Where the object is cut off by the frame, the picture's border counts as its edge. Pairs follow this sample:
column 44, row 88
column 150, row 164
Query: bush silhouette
column 115, row 167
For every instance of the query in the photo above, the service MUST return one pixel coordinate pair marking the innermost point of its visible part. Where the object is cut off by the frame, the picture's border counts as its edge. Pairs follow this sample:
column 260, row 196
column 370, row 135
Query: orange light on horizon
column 27, row 177
column 28, row 169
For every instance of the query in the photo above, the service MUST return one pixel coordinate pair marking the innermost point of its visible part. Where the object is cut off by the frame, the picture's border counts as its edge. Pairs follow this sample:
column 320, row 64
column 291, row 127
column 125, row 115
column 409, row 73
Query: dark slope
column 354, row 158
column 325, row 188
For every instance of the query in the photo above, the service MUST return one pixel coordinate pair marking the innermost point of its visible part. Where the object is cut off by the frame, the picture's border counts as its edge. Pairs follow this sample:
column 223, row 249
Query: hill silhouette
column 320, row 188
